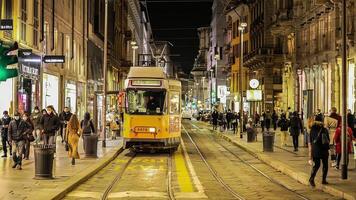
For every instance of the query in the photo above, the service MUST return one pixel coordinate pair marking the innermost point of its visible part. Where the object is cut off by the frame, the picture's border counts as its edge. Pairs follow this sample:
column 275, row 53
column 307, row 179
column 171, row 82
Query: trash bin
column 90, row 145
column 251, row 135
column 44, row 155
column 268, row 141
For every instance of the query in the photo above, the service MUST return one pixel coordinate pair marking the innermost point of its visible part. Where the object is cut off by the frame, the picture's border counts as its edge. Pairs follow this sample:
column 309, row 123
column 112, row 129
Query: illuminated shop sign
column 254, row 95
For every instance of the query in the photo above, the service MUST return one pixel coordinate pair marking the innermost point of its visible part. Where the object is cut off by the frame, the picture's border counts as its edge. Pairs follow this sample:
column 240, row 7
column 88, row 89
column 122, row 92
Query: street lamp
column 134, row 46
column 105, row 72
column 242, row 27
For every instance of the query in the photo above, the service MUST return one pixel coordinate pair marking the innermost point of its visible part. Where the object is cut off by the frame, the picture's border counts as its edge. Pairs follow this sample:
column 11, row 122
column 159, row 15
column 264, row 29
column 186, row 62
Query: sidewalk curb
column 285, row 169
column 83, row 176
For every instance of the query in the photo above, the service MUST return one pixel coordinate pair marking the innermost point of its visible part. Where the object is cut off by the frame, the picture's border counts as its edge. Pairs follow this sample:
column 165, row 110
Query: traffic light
column 5, row 60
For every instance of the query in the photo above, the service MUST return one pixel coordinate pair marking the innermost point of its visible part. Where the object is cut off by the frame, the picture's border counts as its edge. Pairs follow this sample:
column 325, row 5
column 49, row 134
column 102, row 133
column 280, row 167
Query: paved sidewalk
column 295, row 164
column 19, row 184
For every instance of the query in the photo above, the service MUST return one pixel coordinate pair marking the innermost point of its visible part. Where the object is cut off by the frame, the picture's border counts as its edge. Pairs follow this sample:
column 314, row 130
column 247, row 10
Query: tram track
column 211, row 169
column 245, row 162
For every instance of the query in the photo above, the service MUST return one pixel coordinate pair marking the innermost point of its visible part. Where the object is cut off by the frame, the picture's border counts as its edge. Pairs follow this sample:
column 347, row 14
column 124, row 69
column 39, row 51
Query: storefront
column 70, row 99
column 28, row 94
column 50, row 91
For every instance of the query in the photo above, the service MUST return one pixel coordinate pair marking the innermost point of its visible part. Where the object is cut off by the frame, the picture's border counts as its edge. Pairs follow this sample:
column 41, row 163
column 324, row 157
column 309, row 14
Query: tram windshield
column 145, row 102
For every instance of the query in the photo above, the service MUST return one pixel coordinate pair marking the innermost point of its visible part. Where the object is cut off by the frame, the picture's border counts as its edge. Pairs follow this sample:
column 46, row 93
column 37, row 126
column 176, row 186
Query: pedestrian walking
column 36, row 117
column 215, row 116
column 319, row 114
column 245, row 120
column 268, row 120
column 235, row 121
column 295, row 129
column 229, row 117
column 284, row 124
column 87, row 126
column 50, row 123
column 73, row 134
column 351, row 120
column 18, row 129
column 256, row 118
column 337, row 142
column 319, row 142
column 4, row 122
column 28, row 136
column 274, row 120
column 64, row 117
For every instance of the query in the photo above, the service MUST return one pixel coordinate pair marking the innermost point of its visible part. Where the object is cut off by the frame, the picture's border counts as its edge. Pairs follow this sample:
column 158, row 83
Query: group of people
column 226, row 120
column 325, row 132
column 41, row 127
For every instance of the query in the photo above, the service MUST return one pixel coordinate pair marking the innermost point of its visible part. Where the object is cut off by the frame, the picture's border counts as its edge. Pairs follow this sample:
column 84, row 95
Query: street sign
column 54, row 59
column 6, row 24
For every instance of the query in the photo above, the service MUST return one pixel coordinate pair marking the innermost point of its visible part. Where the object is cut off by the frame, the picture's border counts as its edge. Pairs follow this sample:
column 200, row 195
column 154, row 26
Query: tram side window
column 174, row 102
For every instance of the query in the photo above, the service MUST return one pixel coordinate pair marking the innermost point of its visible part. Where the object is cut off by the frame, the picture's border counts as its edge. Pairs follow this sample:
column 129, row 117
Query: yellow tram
column 152, row 118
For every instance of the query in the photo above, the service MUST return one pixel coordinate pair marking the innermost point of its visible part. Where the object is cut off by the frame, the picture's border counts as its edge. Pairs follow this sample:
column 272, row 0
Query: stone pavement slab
column 295, row 164
column 19, row 184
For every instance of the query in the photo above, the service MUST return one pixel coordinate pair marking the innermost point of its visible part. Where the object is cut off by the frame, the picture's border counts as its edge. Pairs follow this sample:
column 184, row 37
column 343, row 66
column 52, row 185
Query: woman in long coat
column 73, row 134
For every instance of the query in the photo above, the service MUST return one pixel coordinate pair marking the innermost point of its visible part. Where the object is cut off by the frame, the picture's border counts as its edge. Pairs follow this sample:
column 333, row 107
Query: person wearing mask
column 284, row 124
column 50, row 123
column 73, row 134
column 337, row 142
column 18, row 129
column 28, row 136
column 4, row 122
column 274, row 120
column 64, row 117
column 319, row 142
column 215, row 116
column 36, row 120
column 296, row 128
column 87, row 126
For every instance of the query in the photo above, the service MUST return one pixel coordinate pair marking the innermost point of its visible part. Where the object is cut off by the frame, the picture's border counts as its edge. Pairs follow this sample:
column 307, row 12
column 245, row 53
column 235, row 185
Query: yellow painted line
column 183, row 176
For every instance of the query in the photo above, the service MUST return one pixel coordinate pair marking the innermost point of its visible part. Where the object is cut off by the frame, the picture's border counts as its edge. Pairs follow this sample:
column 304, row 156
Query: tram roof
column 146, row 72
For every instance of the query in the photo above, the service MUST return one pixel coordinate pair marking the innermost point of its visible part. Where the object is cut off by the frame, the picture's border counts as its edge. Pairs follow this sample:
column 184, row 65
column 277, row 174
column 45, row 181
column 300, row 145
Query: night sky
column 177, row 21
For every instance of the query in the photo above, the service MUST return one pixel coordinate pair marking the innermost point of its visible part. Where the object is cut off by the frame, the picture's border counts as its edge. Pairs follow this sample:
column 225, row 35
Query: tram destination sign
column 152, row 83
column 54, row 59
column 6, row 24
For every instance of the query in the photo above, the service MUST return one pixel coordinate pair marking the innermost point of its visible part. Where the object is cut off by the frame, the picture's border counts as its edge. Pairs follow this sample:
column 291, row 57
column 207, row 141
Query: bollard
column 44, row 156
column 268, row 141
column 90, row 145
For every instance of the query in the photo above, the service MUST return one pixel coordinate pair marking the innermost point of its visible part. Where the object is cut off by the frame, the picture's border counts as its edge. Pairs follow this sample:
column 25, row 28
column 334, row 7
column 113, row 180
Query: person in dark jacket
column 86, row 126
column 36, row 120
column 64, row 117
column 336, row 116
column 18, row 129
column 235, row 122
column 296, row 128
column 274, row 120
column 229, row 116
column 351, row 121
column 284, row 124
column 319, row 142
column 215, row 116
column 267, row 120
column 28, row 136
column 50, row 123
column 4, row 122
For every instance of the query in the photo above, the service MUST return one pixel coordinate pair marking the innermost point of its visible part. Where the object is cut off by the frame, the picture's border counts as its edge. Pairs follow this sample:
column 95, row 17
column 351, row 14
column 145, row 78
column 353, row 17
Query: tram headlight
column 152, row 130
